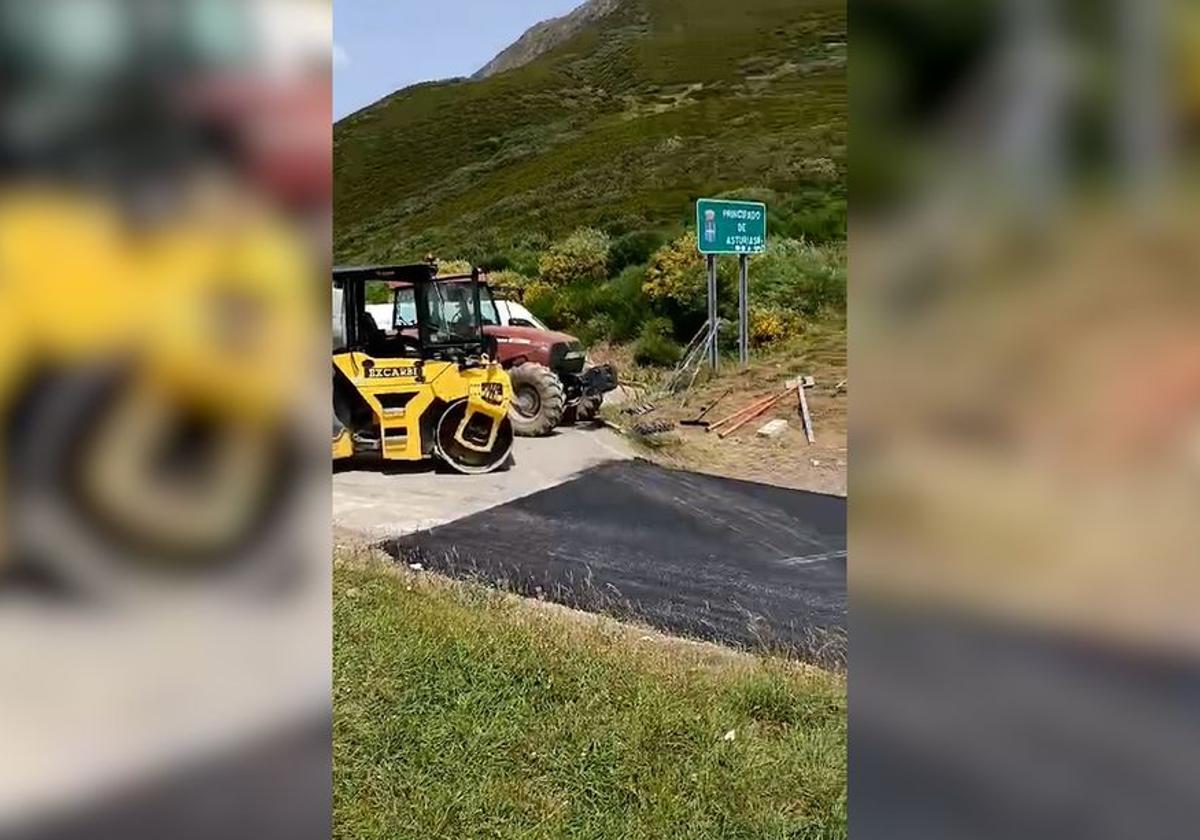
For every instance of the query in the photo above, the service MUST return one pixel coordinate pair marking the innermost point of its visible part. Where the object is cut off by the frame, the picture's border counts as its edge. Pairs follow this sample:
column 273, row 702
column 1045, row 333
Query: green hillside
column 619, row 128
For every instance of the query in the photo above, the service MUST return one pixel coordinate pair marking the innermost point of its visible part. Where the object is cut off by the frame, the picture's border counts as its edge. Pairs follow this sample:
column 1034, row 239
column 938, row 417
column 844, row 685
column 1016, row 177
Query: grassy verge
column 461, row 713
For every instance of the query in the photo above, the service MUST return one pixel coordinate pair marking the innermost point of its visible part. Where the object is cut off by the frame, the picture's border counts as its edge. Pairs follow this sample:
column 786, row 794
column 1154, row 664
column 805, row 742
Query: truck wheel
column 588, row 409
column 538, row 400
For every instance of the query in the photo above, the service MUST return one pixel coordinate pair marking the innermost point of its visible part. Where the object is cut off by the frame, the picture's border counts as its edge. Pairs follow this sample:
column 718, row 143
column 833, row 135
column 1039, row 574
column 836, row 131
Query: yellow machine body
column 408, row 398
column 423, row 384
column 204, row 314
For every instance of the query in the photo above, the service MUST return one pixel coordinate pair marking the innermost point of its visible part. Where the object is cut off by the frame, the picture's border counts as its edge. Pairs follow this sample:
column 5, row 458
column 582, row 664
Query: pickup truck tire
column 538, row 400
column 588, row 409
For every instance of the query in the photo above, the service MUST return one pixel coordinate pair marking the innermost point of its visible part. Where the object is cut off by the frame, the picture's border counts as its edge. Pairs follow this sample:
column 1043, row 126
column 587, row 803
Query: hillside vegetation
column 619, row 128
column 545, row 36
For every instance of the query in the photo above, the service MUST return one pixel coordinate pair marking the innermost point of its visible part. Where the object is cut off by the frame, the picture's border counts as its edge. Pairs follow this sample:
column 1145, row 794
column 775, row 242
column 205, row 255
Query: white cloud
column 340, row 57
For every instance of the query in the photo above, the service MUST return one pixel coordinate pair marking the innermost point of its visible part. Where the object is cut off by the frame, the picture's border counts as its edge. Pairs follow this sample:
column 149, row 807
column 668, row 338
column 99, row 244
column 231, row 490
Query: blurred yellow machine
column 424, row 385
column 149, row 378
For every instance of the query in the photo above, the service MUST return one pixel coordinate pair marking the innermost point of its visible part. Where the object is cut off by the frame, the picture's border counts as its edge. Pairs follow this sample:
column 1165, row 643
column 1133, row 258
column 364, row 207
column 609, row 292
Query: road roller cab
column 427, row 387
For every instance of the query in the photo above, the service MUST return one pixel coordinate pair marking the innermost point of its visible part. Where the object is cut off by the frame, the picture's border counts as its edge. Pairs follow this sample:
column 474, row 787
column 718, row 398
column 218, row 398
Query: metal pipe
column 744, row 310
column 746, row 408
column 713, row 323
column 758, row 412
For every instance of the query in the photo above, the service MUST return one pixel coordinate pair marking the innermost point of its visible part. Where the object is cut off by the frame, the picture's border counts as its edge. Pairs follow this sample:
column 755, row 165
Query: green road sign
column 731, row 227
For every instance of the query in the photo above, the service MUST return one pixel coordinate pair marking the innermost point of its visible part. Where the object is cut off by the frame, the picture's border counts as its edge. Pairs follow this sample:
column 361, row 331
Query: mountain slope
column 545, row 36
column 621, row 126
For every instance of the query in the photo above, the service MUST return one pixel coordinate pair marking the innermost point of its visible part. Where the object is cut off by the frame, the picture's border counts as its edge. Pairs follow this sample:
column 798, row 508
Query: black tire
column 468, row 461
column 538, row 400
column 588, row 409
column 57, row 527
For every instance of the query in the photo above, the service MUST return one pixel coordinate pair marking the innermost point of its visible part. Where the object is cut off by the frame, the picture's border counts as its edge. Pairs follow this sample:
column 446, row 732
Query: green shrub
column 815, row 211
column 614, row 310
column 597, row 328
column 524, row 261
column 495, row 262
column 676, row 285
column 581, row 257
column 508, row 279
column 378, row 293
column 655, row 347
column 662, row 304
column 626, row 304
column 824, row 222
column 793, row 276
column 449, row 268
column 676, row 274
column 623, row 223
column 769, row 324
column 583, row 299
column 634, row 248
column 533, row 241
column 541, row 300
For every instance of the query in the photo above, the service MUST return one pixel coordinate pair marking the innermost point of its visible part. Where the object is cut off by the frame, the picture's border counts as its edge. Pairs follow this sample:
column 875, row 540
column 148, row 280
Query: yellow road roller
column 423, row 384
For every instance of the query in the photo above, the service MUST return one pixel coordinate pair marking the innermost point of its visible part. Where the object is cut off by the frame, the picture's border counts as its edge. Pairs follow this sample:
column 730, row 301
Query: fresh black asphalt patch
column 695, row 555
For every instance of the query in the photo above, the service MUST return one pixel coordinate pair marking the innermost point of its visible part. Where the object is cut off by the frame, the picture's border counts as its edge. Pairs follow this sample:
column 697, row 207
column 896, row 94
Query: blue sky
column 383, row 45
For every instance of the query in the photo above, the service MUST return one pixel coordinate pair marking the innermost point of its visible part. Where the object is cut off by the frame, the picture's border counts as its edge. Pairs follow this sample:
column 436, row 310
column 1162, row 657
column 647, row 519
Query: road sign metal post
column 743, row 310
column 714, row 318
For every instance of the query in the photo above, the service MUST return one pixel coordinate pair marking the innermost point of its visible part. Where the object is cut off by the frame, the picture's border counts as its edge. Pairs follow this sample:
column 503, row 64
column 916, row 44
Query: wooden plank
column 758, row 412
column 808, row 427
column 748, row 407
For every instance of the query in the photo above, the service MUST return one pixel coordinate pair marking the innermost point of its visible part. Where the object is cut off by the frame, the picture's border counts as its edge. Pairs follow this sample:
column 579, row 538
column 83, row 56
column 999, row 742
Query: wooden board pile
column 739, row 419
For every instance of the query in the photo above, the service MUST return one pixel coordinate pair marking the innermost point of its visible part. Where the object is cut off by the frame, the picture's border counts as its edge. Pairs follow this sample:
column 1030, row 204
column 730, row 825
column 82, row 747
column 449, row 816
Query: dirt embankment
column 788, row 460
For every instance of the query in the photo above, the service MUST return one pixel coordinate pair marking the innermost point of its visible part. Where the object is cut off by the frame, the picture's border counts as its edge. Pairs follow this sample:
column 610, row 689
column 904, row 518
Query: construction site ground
column 576, row 520
column 785, row 461
column 700, row 556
